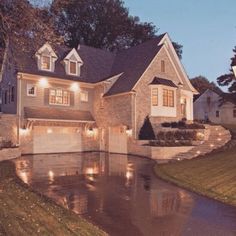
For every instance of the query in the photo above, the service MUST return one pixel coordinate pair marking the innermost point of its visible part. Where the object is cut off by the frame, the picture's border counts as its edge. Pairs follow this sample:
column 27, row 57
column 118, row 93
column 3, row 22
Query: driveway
column 121, row 194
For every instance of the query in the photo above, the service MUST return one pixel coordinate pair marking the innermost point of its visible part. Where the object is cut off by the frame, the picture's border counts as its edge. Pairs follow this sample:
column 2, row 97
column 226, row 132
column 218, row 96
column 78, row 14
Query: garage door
column 56, row 139
column 117, row 140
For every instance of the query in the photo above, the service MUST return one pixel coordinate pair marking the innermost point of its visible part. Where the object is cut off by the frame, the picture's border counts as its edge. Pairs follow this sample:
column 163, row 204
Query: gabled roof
column 161, row 81
column 133, row 62
column 225, row 97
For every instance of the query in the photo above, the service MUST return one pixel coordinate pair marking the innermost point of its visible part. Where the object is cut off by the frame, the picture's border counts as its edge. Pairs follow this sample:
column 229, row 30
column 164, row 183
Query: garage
column 52, row 139
column 117, row 140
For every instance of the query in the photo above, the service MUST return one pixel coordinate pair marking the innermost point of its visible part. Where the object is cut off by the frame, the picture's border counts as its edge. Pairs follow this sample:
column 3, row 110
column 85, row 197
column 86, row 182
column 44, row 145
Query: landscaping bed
column 213, row 175
column 24, row 212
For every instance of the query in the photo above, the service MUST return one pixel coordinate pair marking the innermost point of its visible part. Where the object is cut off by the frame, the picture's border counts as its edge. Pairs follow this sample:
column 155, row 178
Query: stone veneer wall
column 8, row 127
column 143, row 97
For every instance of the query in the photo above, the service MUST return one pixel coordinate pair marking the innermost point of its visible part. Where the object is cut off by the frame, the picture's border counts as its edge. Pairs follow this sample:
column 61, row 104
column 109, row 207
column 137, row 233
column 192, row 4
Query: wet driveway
column 121, row 195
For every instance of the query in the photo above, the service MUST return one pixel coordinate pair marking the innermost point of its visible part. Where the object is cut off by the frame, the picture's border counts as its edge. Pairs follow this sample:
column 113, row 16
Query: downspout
column 19, row 77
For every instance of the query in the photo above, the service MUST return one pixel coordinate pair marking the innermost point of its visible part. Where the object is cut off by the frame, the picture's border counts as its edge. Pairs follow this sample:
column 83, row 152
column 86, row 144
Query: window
column 45, row 62
column 154, row 97
column 234, row 113
column 59, row 97
column 73, row 67
column 5, row 96
column 217, row 114
column 163, row 66
column 208, row 101
column 84, row 96
column 101, row 100
column 168, row 98
column 31, row 90
column 12, row 93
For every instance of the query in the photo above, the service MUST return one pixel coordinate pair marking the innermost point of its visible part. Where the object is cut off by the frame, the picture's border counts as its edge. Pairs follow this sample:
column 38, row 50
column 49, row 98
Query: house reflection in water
column 108, row 187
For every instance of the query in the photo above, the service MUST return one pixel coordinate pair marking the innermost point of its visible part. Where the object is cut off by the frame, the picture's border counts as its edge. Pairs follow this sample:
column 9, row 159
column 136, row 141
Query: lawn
column 213, row 175
column 24, row 212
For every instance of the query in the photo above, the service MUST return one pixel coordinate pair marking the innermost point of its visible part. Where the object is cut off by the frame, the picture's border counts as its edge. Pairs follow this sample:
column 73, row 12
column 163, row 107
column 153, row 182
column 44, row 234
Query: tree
column 146, row 132
column 229, row 79
column 20, row 21
column 102, row 24
column 201, row 84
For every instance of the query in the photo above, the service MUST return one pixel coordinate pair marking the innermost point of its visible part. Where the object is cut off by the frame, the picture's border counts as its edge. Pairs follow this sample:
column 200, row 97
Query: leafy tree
column 201, row 84
column 146, row 132
column 103, row 24
column 229, row 79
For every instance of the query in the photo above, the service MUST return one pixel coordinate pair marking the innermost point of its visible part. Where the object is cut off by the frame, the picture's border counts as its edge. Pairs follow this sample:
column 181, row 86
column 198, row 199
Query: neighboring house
column 217, row 107
column 70, row 100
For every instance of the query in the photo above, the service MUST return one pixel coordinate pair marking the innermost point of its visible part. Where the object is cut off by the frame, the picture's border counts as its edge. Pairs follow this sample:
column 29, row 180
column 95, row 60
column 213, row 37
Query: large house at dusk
column 70, row 100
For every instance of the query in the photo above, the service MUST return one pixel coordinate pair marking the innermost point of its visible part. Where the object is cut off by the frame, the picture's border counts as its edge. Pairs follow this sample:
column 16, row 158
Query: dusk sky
column 205, row 28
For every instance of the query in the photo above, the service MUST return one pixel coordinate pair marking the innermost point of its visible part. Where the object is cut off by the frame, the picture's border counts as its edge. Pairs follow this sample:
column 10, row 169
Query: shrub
column 166, row 124
column 174, row 125
column 6, row 144
column 146, row 132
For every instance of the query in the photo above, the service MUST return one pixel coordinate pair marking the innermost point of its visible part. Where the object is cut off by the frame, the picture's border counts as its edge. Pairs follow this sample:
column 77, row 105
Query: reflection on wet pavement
column 121, row 194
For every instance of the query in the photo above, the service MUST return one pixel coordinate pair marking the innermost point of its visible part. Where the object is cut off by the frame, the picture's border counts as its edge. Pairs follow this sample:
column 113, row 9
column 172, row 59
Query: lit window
column 101, row 100
column 168, row 98
column 45, row 62
column 234, row 113
column 31, row 90
column 154, row 97
column 84, row 96
column 163, row 66
column 59, row 97
column 73, row 69
column 217, row 114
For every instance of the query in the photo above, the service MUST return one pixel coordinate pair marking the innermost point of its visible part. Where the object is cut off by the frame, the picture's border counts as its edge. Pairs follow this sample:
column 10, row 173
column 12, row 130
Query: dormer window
column 73, row 63
column 73, row 67
column 45, row 62
column 46, row 58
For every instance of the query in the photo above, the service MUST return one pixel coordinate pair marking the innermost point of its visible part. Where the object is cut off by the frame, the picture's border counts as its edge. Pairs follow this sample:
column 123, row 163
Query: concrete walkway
column 218, row 137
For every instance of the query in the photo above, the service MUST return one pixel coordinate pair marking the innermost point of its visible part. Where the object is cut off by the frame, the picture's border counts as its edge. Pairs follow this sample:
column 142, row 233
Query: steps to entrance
column 217, row 138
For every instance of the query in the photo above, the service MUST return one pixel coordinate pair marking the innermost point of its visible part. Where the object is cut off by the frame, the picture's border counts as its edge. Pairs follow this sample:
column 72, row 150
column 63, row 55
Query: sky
column 205, row 28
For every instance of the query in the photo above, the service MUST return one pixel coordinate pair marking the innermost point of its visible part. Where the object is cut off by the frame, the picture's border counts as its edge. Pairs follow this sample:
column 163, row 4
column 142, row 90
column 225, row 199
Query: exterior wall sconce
column 43, row 82
column 90, row 132
column 129, row 131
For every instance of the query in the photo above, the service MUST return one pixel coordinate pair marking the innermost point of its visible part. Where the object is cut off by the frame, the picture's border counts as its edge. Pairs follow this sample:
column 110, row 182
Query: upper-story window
column 234, row 113
column 73, row 63
column 31, row 90
column 217, row 114
column 168, row 98
column 59, row 97
column 155, row 97
column 73, row 67
column 163, row 66
column 84, row 96
column 46, row 58
column 45, row 62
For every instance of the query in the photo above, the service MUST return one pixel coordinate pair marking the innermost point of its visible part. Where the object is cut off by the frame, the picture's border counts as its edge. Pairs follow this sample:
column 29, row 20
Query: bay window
column 168, row 98
column 155, row 97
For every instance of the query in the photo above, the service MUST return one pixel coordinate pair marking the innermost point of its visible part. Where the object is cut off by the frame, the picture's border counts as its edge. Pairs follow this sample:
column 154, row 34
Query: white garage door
column 56, row 139
column 117, row 140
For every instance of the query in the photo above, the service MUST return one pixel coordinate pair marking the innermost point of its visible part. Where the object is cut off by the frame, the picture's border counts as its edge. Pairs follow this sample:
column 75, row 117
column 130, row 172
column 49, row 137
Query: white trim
column 55, row 120
column 75, row 53
column 173, row 64
column 163, row 41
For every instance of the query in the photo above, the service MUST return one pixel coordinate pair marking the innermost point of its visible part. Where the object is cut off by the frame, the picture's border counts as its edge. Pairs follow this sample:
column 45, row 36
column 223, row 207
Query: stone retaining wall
column 9, row 153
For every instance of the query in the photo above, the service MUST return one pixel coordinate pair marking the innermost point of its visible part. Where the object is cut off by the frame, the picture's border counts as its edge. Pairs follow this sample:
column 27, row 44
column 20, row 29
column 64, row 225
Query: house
column 215, row 106
column 85, row 99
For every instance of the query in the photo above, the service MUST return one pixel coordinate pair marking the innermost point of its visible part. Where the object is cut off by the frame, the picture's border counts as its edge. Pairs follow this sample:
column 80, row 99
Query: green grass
column 213, row 175
column 24, row 212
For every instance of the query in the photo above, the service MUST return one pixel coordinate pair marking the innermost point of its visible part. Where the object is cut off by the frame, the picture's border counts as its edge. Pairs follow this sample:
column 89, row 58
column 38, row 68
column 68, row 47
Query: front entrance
column 53, row 139
column 117, row 140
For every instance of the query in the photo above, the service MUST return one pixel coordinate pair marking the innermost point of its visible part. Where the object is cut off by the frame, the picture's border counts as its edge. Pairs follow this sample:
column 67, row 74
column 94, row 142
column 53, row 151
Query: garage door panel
column 56, row 140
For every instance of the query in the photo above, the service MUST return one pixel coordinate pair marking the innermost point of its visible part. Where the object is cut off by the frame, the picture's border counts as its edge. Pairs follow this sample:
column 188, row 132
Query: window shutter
column 72, row 99
column 46, row 96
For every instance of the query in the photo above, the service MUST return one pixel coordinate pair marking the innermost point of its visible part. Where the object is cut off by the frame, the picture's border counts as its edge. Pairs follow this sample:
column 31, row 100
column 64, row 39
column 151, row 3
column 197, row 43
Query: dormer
column 46, row 58
column 73, row 63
